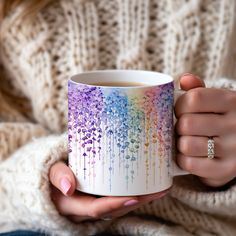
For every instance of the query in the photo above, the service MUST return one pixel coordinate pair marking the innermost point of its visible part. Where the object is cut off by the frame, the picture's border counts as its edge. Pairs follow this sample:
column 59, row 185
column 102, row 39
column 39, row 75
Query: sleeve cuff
column 219, row 201
column 24, row 177
column 221, row 83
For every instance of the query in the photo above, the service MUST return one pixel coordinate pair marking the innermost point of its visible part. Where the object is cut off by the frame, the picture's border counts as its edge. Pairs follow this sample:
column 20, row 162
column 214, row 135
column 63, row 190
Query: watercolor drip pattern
column 130, row 127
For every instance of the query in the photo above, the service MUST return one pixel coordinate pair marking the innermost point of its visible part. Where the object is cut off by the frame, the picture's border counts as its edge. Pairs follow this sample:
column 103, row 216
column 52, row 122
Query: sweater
column 68, row 37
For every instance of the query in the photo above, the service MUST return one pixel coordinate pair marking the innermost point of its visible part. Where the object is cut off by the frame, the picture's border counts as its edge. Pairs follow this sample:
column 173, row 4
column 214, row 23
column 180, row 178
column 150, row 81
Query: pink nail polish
column 131, row 202
column 65, row 185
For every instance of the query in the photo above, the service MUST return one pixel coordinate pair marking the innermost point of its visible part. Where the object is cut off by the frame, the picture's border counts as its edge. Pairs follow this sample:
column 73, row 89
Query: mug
column 120, row 132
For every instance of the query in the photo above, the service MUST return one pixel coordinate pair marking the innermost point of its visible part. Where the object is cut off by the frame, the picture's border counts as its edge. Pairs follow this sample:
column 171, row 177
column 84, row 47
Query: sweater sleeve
column 25, row 190
column 221, row 83
column 27, row 151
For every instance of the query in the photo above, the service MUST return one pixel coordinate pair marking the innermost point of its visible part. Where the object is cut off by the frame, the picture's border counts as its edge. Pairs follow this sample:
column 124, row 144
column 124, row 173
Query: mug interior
column 146, row 78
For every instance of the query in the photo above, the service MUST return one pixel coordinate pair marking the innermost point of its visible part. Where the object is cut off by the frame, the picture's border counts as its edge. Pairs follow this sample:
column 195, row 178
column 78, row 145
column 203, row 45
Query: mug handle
column 176, row 169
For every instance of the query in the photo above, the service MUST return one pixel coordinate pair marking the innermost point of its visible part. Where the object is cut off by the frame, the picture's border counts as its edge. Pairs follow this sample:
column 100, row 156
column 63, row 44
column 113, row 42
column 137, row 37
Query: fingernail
column 65, row 185
column 190, row 74
column 131, row 202
column 187, row 74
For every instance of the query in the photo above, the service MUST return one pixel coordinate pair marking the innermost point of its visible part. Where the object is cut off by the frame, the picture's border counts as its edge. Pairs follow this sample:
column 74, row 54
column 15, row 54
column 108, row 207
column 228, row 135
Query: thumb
column 189, row 81
column 62, row 178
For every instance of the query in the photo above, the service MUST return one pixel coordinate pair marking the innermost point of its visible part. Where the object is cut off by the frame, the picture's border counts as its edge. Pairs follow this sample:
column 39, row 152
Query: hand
column 79, row 206
column 202, row 113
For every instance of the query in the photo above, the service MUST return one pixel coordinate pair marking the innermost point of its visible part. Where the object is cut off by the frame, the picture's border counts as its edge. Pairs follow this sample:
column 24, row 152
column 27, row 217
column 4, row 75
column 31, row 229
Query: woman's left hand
column 203, row 113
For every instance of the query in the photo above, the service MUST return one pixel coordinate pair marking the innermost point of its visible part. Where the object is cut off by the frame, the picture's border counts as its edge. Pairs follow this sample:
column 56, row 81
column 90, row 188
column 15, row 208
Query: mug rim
column 157, row 79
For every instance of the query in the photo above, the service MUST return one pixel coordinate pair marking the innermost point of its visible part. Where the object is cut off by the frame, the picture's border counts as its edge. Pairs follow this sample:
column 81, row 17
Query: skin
column 201, row 112
column 79, row 207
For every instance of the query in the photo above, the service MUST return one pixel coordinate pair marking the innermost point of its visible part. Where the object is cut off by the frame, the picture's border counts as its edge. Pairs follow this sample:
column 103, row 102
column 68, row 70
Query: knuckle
column 232, row 124
column 184, row 145
column 231, row 169
column 194, row 97
column 231, row 99
column 188, row 164
column 93, row 213
column 53, row 172
column 184, row 124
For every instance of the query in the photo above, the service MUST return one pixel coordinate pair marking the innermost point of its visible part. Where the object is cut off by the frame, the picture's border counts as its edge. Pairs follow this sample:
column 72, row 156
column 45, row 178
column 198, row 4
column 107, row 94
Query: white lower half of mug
column 118, row 176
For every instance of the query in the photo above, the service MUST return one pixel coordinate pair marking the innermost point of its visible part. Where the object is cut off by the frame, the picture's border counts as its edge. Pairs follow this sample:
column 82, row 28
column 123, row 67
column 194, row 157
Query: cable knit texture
column 68, row 37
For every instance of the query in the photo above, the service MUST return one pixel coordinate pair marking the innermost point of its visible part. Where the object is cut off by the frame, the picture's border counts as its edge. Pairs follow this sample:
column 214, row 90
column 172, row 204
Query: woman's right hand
column 78, row 206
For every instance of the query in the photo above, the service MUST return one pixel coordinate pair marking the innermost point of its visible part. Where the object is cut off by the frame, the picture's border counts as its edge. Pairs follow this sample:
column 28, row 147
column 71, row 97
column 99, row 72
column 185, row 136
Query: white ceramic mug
column 121, row 138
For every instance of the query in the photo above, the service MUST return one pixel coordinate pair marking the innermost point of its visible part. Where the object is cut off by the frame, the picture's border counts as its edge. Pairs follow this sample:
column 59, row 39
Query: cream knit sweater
column 77, row 35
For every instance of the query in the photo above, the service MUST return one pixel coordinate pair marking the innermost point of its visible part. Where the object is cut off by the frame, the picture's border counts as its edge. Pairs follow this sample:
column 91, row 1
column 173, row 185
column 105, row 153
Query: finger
column 89, row 206
column 215, row 183
column 189, row 81
column 206, row 100
column 62, row 178
column 198, row 146
column 142, row 200
column 201, row 125
column 224, row 147
column 216, row 169
column 73, row 205
column 150, row 197
column 78, row 219
column 103, row 206
column 228, row 143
